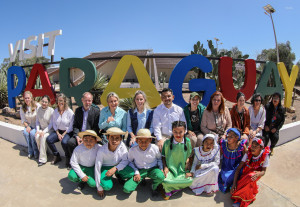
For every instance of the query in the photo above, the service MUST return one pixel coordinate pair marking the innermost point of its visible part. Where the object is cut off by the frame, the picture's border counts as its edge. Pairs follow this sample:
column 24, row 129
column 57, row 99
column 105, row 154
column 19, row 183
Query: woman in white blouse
column 28, row 118
column 257, row 115
column 62, row 123
column 43, row 128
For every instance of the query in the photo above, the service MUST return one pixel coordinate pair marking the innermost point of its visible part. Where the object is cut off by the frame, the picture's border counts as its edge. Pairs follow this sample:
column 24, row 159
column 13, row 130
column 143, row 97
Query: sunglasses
column 257, row 100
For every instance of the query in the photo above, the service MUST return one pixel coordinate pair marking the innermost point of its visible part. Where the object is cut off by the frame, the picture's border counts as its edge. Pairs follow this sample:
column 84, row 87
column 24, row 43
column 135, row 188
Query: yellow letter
column 144, row 80
column 288, row 82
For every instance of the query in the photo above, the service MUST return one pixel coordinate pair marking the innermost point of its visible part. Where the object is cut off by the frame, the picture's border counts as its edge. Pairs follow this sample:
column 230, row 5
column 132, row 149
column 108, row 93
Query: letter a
column 264, row 78
column 288, row 82
column 39, row 69
column 144, row 80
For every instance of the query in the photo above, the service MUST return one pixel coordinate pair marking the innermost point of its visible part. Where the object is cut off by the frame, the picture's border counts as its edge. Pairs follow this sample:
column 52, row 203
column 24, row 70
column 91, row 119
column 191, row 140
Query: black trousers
column 72, row 144
column 274, row 137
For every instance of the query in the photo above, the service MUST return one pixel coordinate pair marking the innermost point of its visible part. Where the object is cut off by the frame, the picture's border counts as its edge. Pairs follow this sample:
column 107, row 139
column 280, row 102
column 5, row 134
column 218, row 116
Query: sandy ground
column 22, row 183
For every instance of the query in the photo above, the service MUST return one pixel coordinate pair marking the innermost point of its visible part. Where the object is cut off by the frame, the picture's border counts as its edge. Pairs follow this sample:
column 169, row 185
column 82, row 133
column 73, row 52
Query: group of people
column 175, row 147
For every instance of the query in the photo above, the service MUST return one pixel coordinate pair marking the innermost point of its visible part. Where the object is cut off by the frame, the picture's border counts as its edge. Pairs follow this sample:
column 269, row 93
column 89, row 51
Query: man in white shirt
column 164, row 115
column 83, row 160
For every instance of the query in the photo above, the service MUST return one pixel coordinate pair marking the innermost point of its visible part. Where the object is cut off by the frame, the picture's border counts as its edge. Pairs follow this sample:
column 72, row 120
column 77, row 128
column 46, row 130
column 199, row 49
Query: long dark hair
column 176, row 124
column 279, row 107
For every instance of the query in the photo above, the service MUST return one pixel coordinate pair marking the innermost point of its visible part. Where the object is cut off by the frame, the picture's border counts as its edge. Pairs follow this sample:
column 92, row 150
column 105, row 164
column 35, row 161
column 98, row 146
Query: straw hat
column 89, row 133
column 144, row 133
column 114, row 131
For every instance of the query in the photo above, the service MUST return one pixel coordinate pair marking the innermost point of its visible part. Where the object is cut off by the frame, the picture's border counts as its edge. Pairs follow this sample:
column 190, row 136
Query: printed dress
column 175, row 160
column 247, row 189
column 231, row 160
column 206, row 178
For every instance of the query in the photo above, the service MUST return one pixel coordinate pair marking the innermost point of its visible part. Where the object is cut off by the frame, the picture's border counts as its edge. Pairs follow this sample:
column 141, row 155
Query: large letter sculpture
column 288, row 82
column 119, row 74
column 64, row 77
column 179, row 73
column 262, row 86
column 226, row 81
column 39, row 69
column 13, row 91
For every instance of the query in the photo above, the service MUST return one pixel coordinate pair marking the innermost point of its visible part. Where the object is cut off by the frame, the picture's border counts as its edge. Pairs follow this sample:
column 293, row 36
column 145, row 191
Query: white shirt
column 259, row 119
column 44, row 119
column 147, row 159
column 63, row 122
column 85, row 157
column 266, row 162
column 29, row 116
column 105, row 157
column 163, row 118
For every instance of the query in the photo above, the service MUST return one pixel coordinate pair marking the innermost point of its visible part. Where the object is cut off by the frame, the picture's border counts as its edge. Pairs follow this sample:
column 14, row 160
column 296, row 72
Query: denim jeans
column 53, row 138
column 30, row 139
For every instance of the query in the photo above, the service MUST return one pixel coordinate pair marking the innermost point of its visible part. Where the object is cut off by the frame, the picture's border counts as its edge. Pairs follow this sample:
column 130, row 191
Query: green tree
column 285, row 55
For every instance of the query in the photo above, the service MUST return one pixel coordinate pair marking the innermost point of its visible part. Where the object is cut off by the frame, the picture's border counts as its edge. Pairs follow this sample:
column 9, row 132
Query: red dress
column 247, row 189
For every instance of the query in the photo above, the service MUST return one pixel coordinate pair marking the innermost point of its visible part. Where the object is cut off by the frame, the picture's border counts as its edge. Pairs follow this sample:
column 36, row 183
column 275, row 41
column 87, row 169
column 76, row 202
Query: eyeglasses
column 257, row 100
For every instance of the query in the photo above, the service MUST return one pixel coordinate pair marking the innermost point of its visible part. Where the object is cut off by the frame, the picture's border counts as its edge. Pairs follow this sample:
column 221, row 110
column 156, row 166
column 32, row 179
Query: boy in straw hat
column 83, row 160
column 112, row 159
column 145, row 160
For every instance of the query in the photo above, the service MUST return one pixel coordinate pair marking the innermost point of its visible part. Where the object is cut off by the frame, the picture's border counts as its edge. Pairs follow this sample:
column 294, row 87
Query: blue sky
column 164, row 26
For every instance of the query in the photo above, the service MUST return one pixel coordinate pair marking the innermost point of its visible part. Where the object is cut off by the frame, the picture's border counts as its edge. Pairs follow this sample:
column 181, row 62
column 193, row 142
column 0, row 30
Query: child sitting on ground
column 83, row 160
column 145, row 159
column 112, row 159
column 175, row 154
column 205, row 168
column 254, row 165
column 232, row 151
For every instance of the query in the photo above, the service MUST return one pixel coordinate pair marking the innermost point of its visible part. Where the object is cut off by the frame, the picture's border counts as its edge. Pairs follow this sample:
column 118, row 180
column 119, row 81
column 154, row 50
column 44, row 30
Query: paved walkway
column 22, row 183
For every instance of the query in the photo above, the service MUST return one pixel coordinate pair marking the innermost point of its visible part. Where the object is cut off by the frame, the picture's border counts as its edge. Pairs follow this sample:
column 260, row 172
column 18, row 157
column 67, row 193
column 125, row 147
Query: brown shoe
column 56, row 159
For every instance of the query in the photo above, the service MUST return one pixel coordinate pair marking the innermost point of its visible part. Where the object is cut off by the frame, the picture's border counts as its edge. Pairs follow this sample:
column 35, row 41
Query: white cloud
column 289, row 8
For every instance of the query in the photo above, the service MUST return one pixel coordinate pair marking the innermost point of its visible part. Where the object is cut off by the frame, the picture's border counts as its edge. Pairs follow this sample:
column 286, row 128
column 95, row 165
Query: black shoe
column 120, row 180
column 68, row 166
column 36, row 157
column 80, row 185
column 155, row 192
column 143, row 182
column 30, row 156
column 56, row 159
column 41, row 164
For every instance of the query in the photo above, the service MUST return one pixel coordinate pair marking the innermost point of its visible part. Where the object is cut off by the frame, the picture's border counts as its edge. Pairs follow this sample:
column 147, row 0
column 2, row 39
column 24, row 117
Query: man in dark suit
column 86, row 117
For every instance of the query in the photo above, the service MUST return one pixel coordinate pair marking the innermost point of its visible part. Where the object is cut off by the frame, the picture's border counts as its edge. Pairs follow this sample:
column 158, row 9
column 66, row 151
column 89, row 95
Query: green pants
column 89, row 171
column 107, row 183
column 154, row 173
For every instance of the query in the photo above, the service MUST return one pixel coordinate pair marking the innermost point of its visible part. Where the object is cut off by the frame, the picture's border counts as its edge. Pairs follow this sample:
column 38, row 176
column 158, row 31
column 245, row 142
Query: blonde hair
column 32, row 103
column 66, row 101
column 112, row 94
column 139, row 92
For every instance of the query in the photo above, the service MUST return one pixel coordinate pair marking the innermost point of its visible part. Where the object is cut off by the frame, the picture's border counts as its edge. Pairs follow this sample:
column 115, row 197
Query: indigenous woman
column 232, row 151
column 205, row 168
column 28, row 118
column 254, row 165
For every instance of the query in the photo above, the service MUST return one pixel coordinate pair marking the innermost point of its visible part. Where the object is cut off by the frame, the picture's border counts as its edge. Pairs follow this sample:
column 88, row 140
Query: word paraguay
column 208, row 86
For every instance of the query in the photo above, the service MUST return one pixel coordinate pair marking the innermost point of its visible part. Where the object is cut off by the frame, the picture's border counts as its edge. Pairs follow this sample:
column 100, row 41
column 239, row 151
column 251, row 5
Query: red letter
column 226, row 80
column 39, row 69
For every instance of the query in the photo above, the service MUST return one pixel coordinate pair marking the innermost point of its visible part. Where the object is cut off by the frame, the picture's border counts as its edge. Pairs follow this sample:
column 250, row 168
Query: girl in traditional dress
column 175, row 154
column 254, row 165
column 205, row 168
column 232, row 151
